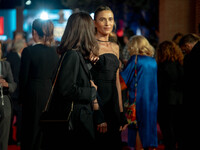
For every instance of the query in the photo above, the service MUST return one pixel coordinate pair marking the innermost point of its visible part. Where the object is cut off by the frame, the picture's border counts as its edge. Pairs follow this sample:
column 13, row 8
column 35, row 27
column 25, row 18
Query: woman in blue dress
column 142, row 66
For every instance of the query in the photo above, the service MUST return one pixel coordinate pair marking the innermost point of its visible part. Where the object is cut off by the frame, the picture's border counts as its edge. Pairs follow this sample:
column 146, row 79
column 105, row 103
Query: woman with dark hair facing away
column 74, row 85
column 106, row 76
column 38, row 62
column 170, row 93
column 140, row 76
column 7, row 86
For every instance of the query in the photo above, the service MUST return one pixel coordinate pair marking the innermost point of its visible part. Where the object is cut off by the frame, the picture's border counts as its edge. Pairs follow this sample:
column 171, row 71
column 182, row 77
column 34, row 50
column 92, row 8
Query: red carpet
column 13, row 147
column 124, row 139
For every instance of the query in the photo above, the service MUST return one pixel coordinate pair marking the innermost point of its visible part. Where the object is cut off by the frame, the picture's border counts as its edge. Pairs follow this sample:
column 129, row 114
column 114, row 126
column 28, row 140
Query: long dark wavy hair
column 79, row 35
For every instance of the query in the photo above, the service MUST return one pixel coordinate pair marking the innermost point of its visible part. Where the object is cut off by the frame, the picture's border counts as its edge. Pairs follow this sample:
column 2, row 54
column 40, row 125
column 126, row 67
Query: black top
column 191, row 77
column 170, row 83
column 104, row 75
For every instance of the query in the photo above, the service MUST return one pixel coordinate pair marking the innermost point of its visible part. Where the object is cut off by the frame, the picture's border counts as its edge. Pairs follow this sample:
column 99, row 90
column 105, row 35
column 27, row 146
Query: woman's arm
column 116, row 47
column 119, row 91
column 123, row 120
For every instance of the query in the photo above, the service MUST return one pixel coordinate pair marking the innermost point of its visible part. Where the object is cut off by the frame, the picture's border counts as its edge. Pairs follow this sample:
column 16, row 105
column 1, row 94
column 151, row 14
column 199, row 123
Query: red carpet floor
column 124, row 139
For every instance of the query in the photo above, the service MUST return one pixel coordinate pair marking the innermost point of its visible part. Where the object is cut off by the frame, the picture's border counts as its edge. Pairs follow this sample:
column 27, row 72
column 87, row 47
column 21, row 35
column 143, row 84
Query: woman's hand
column 93, row 58
column 102, row 128
column 3, row 83
column 123, row 122
column 92, row 84
column 122, row 128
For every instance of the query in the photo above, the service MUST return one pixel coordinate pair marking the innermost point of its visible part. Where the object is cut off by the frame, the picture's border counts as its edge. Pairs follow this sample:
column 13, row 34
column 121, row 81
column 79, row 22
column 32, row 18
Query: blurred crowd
column 177, row 78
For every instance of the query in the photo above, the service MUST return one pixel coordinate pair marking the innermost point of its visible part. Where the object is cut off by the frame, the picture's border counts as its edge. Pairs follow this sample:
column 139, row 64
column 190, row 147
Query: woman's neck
column 102, row 38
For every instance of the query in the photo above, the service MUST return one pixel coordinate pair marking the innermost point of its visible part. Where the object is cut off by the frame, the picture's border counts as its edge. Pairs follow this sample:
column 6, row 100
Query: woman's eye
column 101, row 19
column 110, row 19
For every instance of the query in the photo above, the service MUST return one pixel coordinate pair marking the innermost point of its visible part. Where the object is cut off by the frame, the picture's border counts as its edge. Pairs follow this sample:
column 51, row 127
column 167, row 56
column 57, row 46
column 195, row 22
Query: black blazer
column 38, row 63
column 73, row 83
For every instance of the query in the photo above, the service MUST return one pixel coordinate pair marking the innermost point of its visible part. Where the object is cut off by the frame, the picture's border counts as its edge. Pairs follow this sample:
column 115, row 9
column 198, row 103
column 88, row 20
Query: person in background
column 7, row 86
column 140, row 76
column 127, row 34
column 176, row 38
column 74, row 85
column 106, row 76
column 191, row 45
column 170, row 93
column 38, row 63
column 14, row 58
column 125, row 57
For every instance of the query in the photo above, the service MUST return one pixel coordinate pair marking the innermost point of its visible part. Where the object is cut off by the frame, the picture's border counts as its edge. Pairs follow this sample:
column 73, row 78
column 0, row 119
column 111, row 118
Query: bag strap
column 135, row 79
column 52, row 88
column 129, row 80
column 135, row 75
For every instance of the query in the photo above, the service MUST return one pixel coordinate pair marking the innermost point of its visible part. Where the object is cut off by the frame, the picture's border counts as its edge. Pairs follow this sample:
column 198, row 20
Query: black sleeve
column 24, row 72
column 11, row 84
column 67, row 80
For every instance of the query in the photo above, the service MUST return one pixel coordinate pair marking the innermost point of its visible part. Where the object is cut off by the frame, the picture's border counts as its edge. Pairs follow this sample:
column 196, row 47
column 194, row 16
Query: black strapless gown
column 104, row 75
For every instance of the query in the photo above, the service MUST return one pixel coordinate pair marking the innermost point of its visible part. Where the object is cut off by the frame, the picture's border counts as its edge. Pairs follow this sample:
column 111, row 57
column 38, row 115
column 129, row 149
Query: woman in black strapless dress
column 106, row 76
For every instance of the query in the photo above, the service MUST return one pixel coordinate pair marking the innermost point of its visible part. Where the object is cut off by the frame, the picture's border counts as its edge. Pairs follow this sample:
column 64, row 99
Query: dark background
column 132, row 14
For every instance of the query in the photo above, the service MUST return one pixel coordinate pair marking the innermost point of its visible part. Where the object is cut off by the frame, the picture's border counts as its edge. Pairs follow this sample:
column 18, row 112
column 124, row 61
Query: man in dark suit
column 14, row 58
column 191, row 45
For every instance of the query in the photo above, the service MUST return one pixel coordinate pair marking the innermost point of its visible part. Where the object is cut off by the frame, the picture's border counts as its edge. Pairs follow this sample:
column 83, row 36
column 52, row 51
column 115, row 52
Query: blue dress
column 146, row 99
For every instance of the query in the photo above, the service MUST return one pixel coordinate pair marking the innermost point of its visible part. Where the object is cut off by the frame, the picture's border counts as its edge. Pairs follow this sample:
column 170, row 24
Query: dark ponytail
column 44, row 29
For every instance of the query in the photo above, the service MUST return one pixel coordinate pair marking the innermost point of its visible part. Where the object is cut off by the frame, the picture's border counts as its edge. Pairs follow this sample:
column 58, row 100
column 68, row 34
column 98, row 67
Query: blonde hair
column 139, row 45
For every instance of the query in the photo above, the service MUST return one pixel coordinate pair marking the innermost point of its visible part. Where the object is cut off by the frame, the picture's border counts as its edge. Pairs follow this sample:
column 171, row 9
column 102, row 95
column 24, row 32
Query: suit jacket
column 8, row 76
column 191, row 76
column 14, row 59
column 191, row 96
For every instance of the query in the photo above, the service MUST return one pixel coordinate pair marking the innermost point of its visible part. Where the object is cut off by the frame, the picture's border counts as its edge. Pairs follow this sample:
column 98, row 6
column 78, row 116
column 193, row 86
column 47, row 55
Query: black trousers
column 170, row 121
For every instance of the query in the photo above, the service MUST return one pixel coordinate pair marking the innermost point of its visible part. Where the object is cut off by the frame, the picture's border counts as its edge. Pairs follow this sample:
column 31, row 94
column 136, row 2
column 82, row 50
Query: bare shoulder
column 115, row 48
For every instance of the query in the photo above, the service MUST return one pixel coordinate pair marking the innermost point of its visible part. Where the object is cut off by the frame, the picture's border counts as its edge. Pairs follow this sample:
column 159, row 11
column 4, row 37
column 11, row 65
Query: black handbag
column 47, row 118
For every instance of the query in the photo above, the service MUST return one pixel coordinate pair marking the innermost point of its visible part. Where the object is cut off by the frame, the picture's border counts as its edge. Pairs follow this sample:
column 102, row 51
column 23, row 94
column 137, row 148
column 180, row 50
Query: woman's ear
column 33, row 32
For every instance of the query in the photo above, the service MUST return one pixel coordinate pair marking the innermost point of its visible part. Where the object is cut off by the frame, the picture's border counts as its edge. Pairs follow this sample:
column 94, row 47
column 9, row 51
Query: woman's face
column 104, row 22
